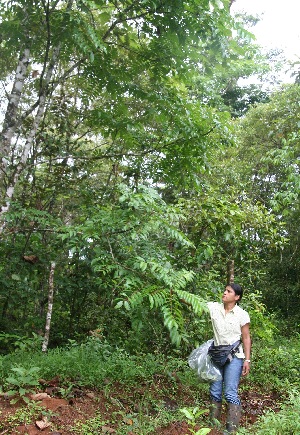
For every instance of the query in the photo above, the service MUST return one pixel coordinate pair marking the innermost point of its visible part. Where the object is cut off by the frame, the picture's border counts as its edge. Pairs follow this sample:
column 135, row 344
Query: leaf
column 127, row 305
column 14, row 401
column 22, row 391
column 10, row 393
column 187, row 413
column 12, row 381
column 143, row 265
column 203, row 431
column 42, row 424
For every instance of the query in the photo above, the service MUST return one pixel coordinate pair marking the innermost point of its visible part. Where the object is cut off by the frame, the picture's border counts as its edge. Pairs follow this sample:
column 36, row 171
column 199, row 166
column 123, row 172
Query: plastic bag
column 200, row 361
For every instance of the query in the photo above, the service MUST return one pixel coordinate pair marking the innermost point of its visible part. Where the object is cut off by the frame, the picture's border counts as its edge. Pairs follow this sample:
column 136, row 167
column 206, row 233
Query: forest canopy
column 134, row 166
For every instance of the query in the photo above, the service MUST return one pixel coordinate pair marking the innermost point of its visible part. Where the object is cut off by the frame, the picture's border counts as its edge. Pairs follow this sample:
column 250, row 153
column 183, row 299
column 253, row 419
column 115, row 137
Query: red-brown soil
column 117, row 405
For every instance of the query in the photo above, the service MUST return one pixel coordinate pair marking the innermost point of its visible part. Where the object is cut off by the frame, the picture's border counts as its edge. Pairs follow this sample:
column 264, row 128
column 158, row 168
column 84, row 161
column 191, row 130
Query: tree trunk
column 13, row 179
column 230, row 272
column 11, row 118
column 50, row 307
column 12, row 121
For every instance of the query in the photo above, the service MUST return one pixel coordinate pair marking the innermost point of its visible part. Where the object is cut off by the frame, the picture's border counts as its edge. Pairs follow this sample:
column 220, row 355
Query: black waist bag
column 221, row 354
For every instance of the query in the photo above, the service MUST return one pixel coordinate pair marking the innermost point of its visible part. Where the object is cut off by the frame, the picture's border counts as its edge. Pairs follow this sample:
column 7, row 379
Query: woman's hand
column 246, row 368
column 247, row 348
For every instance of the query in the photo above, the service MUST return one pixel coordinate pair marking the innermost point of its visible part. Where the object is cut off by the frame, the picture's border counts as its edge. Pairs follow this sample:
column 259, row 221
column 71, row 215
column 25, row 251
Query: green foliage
column 90, row 427
column 99, row 365
column 192, row 416
column 21, row 382
column 24, row 415
column 280, row 360
column 141, row 265
column 119, row 183
column 11, row 342
column 268, row 156
column 120, row 249
column 240, row 99
column 88, row 363
column 263, row 324
column 286, row 421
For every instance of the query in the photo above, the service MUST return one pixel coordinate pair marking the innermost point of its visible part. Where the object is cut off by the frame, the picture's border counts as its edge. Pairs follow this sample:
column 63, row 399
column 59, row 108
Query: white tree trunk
column 30, row 138
column 13, row 119
column 50, row 307
column 10, row 123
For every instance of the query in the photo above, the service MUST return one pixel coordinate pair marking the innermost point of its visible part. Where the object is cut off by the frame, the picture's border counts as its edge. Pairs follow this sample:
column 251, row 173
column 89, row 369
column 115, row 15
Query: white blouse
column 227, row 326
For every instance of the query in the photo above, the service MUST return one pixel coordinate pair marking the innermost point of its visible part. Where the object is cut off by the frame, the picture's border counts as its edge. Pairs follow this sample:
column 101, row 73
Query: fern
column 169, row 302
column 197, row 304
column 157, row 299
column 173, row 318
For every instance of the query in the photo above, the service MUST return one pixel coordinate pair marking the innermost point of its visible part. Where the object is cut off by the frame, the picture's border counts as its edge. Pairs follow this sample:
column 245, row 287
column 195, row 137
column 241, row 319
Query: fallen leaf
column 39, row 396
column 128, row 421
column 43, row 424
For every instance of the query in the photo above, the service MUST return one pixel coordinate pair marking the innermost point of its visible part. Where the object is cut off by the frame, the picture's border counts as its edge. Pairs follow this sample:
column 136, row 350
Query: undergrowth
column 284, row 422
column 23, row 415
column 92, row 363
column 281, row 360
column 96, row 364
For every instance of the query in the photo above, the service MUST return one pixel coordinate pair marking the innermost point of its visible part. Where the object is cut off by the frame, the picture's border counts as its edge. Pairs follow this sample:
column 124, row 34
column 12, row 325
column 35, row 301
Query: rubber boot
column 233, row 418
column 215, row 410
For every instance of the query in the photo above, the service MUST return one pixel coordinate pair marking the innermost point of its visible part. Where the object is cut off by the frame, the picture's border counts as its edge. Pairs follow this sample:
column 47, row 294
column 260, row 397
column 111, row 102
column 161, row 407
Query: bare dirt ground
column 116, row 406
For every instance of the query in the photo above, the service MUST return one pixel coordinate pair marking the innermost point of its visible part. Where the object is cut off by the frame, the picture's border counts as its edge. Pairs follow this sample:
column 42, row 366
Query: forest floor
column 116, row 410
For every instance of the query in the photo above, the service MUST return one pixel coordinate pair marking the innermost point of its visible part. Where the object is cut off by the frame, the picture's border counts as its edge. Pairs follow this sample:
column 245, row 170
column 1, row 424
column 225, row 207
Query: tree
column 98, row 51
column 109, row 99
column 269, row 163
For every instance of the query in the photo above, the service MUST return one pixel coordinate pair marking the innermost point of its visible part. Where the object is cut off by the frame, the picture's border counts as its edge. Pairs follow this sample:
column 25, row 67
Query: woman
column 230, row 324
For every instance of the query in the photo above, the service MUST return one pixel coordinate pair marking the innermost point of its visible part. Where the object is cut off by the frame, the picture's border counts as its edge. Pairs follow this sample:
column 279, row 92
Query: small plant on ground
column 192, row 416
column 24, row 415
column 22, row 382
column 66, row 392
column 90, row 427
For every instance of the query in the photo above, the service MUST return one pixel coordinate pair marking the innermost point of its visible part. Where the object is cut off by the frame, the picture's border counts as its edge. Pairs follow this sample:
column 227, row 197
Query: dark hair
column 237, row 290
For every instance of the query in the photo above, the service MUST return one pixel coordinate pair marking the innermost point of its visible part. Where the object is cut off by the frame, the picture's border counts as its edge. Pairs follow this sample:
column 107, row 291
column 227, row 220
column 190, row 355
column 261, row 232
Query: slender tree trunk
column 10, row 123
column 12, row 120
column 12, row 182
column 50, row 307
column 230, row 271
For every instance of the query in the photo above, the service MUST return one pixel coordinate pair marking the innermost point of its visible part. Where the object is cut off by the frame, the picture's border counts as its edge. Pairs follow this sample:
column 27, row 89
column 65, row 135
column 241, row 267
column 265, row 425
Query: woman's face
column 229, row 295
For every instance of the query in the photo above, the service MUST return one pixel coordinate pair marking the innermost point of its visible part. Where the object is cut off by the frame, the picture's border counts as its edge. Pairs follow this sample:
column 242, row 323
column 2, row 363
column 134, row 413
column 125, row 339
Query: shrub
column 285, row 422
column 281, row 360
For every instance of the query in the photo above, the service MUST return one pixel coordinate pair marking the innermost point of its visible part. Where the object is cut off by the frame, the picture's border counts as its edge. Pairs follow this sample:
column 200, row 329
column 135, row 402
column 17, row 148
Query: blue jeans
column 231, row 373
